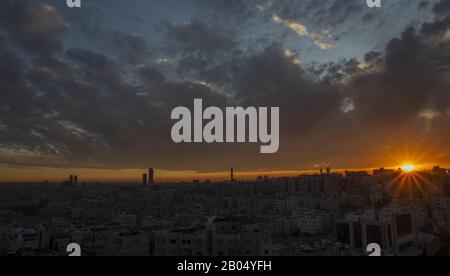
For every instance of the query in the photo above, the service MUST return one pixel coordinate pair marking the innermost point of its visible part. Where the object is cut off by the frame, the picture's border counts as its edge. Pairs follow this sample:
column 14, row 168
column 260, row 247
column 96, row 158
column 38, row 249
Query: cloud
column 34, row 27
column 302, row 30
column 132, row 48
column 398, row 103
column 442, row 8
column 65, row 104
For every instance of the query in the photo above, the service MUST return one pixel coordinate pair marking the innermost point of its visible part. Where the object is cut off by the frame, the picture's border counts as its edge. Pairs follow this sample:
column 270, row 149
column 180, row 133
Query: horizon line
column 133, row 176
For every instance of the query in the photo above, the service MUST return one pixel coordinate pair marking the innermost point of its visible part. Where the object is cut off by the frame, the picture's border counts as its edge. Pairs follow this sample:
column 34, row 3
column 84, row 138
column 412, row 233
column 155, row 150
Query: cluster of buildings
column 148, row 179
column 232, row 236
column 71, row 182
column 318, row 214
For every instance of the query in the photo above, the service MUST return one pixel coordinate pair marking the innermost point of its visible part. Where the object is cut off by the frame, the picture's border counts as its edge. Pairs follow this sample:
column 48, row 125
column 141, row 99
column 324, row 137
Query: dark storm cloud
column 132, row 48
column 71, row 106
column 400, row 90
column 404, row 98
column 151, row 75
column 34, row 27
column 96, row 68
column 415, row 69
column 272, row 79
column 442, row 8
column 76, row 108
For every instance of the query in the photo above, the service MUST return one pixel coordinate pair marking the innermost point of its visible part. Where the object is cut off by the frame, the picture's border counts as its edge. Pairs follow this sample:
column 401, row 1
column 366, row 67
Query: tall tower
column 144, row 180
column 232, row 174
column 151, row 176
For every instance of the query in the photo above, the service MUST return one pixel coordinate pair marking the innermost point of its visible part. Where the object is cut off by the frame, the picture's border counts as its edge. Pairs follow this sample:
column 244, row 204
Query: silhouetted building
column 144, row 180
column 383, row 171
column 71, row 182
column 151, row 176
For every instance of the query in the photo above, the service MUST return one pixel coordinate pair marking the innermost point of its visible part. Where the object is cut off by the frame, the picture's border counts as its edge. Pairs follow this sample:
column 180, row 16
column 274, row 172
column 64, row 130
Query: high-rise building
column 232, row 174
column 72, row 181
column 393, row 228
column 328, row 170
column 151, row 176
column 144, row 179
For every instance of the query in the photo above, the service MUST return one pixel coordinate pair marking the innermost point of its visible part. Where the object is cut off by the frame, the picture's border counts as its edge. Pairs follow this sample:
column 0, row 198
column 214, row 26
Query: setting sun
column 408, row 168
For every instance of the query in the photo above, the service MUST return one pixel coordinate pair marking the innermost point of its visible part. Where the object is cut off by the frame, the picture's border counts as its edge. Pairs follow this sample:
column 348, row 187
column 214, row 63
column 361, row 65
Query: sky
column 90, row 90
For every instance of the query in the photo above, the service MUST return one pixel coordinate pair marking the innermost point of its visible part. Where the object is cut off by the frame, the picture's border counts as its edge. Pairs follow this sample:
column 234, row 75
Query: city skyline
column 401, row 213
column 135, row 176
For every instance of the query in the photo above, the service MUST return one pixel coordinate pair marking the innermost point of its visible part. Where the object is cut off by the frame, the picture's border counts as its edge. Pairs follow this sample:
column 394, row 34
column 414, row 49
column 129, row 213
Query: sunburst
column 408, row 179
column 408, row 168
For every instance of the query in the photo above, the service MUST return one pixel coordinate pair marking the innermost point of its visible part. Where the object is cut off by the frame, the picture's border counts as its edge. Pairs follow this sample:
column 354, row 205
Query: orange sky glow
column 36, row 174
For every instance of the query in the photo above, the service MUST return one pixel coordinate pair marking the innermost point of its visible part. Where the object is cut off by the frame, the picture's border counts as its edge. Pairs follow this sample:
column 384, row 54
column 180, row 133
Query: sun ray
column 421, row 189
column 401, row 187
column 394, row 181
column 427, row 182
